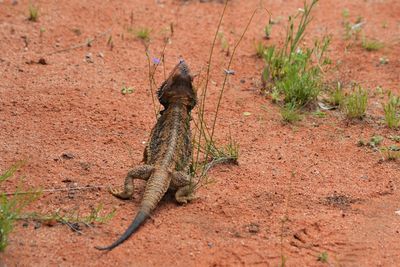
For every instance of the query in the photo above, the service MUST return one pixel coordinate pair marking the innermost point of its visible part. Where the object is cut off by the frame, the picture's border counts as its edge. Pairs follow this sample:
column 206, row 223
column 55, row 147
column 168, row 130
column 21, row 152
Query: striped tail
column 156, row 187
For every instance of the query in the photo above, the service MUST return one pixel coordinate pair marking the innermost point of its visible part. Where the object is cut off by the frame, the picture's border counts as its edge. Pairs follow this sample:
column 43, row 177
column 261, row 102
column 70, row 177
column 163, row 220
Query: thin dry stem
column 89, row 40
column 53, row 190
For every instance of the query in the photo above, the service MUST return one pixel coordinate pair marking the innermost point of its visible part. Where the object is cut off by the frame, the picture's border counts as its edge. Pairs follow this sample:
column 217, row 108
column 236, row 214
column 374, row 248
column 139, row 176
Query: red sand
column 298, row 191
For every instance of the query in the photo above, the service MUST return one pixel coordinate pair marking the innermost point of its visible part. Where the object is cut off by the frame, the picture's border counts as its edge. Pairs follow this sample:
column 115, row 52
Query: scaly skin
column 168, row 155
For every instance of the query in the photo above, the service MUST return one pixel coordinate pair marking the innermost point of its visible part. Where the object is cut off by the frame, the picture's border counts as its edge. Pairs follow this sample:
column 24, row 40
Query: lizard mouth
column 184, row 69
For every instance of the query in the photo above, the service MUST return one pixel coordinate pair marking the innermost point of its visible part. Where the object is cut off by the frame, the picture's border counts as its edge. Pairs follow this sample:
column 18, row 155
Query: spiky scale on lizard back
column 168, row 153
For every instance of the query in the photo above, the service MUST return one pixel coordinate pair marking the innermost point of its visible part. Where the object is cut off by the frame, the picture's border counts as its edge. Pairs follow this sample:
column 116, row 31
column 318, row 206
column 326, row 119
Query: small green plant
column 355, row 104
column 11, row 207
column 260, row 49
column 126, row 90
column 318, row 113
column 391, row 153
column 275, row 95
column 375, row 141
column 345, row 13
column 299, row 87
column 371, row 45
column 229, row 153
column 323, row 257
column 143, row 34
column 110, row 42
column 267, row 30
column 379, row 91
column 72, row 219
column 291, row 71
column 336, row 97
column 42, row 30
column 383, row 60
column 290, row 113
column 391, row 109
column 224, row 43
column 33, row 13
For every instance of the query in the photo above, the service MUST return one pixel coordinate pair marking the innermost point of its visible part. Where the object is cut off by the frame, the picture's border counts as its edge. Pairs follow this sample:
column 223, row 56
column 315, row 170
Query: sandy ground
column 298, row 190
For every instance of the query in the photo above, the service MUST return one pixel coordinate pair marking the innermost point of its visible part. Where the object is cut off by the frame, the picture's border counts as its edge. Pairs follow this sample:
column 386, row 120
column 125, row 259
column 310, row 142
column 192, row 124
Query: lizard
column 168, row 155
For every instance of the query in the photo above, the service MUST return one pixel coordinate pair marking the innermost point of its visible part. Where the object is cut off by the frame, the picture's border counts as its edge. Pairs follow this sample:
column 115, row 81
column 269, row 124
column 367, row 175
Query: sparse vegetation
column 319, row 114
column 260, row 49
column 110, row 42
column 290, row 113
column 345, row 13
column 375, row 141
column 383, row 60
column 267, row 30
column 336, row 97
column 42, row 30
column 126, row 90
column 355, row 104
column 391, row 153
column 12, row 207
column 391, row 109
column 371, row 45
column 72, row 219
column 143, row 34
column 323, row 257
column 206, row 152
column 33, row 13
column 292, row 72
column 13, row 204
column 224, row 43
column 352, row 30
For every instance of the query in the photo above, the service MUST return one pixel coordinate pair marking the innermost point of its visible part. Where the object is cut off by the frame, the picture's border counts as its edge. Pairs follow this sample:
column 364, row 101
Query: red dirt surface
column 298, row 190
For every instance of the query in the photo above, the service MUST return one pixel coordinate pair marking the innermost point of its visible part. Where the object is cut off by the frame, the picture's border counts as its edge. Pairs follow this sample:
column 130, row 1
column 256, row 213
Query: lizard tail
column 156, row 187
column 139, row 219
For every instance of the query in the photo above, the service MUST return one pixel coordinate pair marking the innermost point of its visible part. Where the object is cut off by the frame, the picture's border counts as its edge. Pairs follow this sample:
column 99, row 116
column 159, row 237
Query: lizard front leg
column 142, row 172
column 184, row 185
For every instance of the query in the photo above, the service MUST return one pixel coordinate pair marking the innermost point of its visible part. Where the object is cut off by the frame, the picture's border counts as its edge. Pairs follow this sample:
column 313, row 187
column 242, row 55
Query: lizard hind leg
column 142, row 172
column 184, row 185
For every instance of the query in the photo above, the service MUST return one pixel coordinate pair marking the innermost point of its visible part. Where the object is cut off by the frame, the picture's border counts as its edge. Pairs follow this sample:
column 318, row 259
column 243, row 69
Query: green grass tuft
column 391, row 153
column 355, row 105
column 11, row 207
column 143, row 34
column 371, row 45
column 292, row 73
column 33, row 13
column 260, row 49
column 267, row 31
column 290, row 113
column 391, row 109
column 323, row 257
column 336, row 97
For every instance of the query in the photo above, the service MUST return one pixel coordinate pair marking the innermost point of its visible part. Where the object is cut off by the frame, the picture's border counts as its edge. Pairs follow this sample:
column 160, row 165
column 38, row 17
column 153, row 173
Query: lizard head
column 178, row 87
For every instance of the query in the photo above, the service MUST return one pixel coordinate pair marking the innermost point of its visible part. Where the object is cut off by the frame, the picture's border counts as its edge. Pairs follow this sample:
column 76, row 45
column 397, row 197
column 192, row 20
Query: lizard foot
column 184, row 194
column 122, row 194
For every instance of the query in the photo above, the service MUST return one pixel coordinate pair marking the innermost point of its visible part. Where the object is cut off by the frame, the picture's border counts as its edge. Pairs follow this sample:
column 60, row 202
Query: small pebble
column 89, row 58
column 67, row 155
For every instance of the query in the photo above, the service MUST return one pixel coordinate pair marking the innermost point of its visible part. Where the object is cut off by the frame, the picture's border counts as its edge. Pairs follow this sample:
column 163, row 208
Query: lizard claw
column 185, row 199
column 122, row 194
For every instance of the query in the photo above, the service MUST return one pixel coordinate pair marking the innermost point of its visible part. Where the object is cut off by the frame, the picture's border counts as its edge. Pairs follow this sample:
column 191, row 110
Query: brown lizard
column 168, row 155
